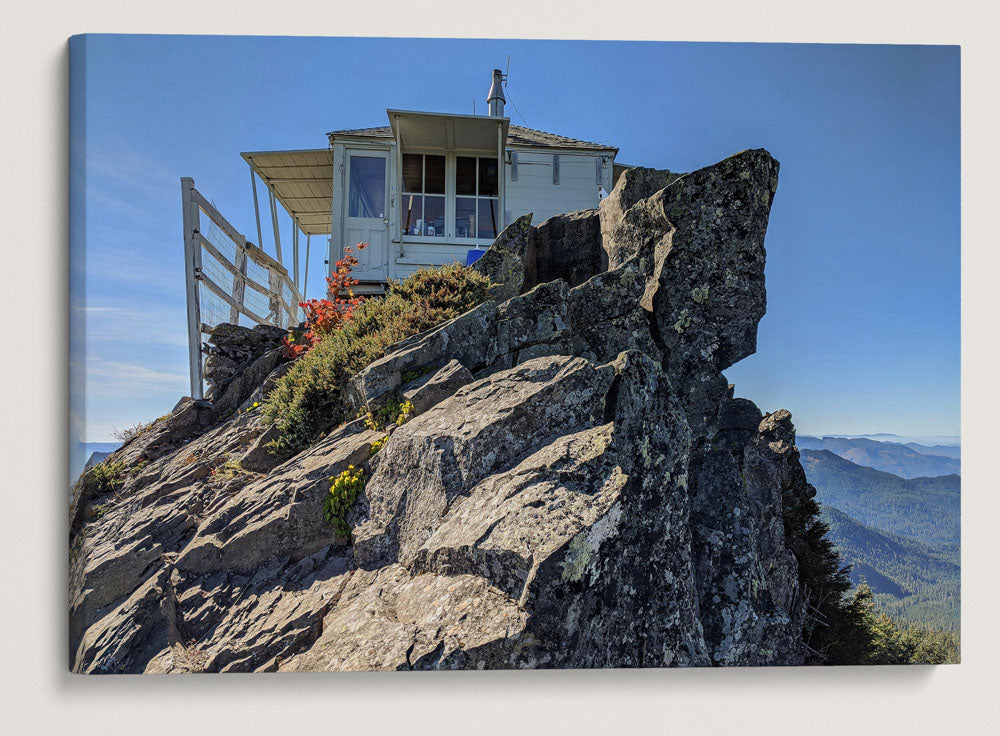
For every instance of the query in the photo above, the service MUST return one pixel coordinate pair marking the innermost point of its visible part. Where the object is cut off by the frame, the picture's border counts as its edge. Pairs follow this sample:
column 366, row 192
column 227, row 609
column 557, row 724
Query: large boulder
column 502, row 418
column 436, row 386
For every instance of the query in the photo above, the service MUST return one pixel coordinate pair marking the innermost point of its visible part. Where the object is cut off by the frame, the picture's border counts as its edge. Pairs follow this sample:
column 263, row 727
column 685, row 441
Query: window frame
column 349, row 184
column 423, row 185
column 450, row 197
column 477, row 197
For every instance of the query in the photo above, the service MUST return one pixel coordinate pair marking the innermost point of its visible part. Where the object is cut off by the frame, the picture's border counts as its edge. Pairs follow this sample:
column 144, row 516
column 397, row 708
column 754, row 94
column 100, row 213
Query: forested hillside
column 926, row 509
column 913, row 582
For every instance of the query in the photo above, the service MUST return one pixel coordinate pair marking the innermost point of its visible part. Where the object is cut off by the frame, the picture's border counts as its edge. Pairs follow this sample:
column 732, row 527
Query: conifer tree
column 835, row 630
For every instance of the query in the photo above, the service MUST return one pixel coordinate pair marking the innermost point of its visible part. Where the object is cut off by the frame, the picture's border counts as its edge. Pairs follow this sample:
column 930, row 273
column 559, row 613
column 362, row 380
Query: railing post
column 192, row 268
column 274, row 284
column 295, row 250
column 239, row 282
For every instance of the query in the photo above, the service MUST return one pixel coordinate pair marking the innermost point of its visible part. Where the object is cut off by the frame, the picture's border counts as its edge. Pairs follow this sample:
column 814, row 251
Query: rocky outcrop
column 239, row 359
column 231, row 349
column 578, row 486
column 434, row 387
column 567, row 247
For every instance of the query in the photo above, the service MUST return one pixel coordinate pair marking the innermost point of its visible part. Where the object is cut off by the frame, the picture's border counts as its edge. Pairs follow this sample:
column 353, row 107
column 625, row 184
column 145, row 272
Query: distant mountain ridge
column 927, row 509
column 942, row 450
column 902, row 460
column 947, row 440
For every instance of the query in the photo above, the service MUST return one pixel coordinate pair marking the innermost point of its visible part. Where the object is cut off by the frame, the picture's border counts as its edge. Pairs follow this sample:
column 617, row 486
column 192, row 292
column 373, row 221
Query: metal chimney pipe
column 496, row 99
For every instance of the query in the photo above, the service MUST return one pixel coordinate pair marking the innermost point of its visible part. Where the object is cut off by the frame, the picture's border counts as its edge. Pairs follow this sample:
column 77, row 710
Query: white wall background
column 534, row 191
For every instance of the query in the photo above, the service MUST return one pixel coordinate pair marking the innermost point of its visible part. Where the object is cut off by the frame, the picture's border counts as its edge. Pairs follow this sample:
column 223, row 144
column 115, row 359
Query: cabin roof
column 516, row 136
column 302, row 181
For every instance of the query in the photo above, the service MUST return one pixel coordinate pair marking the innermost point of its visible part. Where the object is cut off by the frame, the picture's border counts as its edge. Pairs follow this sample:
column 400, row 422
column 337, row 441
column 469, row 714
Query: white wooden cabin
column 429, row 187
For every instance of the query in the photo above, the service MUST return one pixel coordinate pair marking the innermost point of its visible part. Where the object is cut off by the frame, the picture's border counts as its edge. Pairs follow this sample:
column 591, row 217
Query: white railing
column 228, row 279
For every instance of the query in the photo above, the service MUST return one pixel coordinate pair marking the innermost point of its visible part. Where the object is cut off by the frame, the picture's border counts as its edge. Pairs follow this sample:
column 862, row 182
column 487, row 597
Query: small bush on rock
column 323, row 316
column 394, row 412
column 307, row 400
column 344, row 490
column 103, row 478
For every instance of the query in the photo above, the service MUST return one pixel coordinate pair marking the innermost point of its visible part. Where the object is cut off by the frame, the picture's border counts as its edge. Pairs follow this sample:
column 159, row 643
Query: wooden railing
column 227, row 279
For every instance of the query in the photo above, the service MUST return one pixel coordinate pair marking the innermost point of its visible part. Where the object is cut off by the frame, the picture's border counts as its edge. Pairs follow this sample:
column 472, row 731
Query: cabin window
column 367, row 191
column 423, row 194
column 477, row 199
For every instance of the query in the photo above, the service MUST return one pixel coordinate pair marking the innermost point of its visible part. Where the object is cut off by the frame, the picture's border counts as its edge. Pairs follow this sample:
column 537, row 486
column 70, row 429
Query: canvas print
column 413, row 354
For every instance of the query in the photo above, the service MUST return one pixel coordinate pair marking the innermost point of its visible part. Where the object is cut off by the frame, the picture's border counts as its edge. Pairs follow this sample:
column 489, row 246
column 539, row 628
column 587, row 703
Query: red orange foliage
column 325, row 315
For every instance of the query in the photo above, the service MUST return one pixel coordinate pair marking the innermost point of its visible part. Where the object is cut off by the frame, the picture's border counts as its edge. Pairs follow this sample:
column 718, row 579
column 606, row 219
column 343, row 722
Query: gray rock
column 633, row 186
column 465, row 339
column 230, row 349
column 607, row 316
column 747, row 577
column 710, row 291
column 242, row 385
column 132, row 633
column 279, row 514
column 504, row 260
column 429, row 462
column 258, row 457
column 433, row 388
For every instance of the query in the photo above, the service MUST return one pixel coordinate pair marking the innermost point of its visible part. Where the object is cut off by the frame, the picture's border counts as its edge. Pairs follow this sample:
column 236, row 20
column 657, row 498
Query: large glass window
column 476, row 201
column 423, row 195
column 367, row 190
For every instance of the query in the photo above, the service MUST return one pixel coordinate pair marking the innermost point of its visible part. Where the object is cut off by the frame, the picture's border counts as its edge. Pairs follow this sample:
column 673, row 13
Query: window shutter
column 555, row 168
column 513, row 165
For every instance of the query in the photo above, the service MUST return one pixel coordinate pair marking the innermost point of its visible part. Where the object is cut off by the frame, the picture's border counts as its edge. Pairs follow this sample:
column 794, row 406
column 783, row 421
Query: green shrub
column 103, row 478
column 306, row 402
column 393, row 412
column 230, row 469
column 932, row 646
column 344, row 490
column 415, row 373
column 377, row 445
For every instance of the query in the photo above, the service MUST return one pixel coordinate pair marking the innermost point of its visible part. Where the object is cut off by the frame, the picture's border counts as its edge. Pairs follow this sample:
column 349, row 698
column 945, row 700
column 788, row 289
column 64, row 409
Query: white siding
column 423, row 255
column 535, row 192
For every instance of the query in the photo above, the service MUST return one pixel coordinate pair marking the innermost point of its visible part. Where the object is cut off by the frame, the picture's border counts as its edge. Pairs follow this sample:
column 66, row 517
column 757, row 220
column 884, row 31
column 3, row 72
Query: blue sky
column 862, row 332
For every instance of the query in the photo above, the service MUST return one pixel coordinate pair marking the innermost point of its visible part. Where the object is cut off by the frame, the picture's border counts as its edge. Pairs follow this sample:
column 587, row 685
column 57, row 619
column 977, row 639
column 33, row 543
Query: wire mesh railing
column 228, row 279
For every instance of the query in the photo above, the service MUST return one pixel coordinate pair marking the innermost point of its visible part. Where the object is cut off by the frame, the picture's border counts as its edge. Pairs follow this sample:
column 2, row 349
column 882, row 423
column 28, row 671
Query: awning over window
column 444, row 132
column 302, row 182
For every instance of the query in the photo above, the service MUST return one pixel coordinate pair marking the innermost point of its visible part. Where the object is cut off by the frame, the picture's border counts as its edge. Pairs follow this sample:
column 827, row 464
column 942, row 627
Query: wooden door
column 367, row 218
